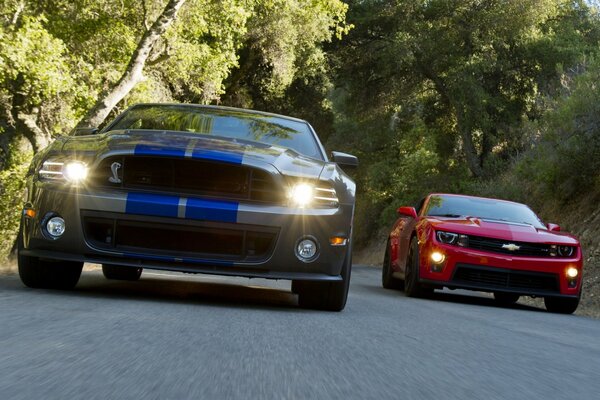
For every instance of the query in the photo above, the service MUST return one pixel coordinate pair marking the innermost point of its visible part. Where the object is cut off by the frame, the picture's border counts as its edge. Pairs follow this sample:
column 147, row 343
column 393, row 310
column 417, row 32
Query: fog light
column 306, row 249
column 55, row 227
column 437, row 257
column 572, row 272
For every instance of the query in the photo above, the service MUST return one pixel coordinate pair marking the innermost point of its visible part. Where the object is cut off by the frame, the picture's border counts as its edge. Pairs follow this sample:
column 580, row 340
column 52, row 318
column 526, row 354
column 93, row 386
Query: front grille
column 496, row 278
column 199, row 240
column 188, row 176
column 495, row 245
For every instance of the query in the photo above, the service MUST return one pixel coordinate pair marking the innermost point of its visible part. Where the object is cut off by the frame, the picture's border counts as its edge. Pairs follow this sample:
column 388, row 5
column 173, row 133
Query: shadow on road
column 170, row 288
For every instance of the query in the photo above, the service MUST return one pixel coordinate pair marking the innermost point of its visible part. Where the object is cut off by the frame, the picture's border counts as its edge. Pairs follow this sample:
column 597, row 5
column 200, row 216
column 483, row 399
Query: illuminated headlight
column 317, row 194
column 72, row 171
column 302, row 194
column 75, row 171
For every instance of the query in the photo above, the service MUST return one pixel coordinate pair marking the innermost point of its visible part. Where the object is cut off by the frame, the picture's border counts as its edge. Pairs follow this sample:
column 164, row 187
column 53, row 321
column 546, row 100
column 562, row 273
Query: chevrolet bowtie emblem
column 511, row 247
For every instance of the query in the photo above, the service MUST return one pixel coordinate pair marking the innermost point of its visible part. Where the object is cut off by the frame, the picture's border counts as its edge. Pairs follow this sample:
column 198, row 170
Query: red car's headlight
column 562, row 251
column 452, row 238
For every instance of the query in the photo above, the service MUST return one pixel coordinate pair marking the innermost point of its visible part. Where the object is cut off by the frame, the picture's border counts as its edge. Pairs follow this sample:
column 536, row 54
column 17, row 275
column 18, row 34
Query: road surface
column 201, row 337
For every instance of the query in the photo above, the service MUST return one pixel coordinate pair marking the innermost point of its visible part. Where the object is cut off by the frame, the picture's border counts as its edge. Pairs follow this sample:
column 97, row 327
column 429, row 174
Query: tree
column 133, row 72
column 433, row 93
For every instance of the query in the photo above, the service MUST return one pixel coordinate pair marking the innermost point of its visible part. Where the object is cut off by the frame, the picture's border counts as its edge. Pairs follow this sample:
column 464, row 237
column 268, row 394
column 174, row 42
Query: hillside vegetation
column 495, row 98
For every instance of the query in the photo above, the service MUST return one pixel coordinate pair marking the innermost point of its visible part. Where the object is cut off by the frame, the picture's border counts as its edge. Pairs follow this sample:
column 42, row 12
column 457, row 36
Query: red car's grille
column 188, row 176
column 496, row 246
column 497, row 278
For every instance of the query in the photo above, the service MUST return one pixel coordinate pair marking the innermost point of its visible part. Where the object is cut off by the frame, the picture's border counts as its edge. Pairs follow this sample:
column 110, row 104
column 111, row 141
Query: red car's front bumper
column 485, row 271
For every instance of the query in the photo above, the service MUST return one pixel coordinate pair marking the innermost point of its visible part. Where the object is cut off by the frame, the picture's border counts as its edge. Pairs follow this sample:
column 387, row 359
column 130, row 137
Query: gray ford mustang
column 195, row 189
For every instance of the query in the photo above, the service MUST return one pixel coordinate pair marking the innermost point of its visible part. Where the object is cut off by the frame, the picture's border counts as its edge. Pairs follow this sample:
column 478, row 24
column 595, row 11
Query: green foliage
column 561, row 166
column 444, row 95
column 12, row 186
column 491, row 97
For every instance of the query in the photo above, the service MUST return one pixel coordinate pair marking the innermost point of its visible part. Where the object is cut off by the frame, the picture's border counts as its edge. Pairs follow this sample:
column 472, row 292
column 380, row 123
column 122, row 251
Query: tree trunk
column 133, row 74
column 473, row 160
column 23, row 119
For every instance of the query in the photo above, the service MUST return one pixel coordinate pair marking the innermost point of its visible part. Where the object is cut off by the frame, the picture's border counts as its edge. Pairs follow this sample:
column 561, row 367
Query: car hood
column 180, row 144
column 501, row 230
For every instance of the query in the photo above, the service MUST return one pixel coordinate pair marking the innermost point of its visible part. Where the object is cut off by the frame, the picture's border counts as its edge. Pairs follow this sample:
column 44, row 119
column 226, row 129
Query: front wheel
column 412, row 284
column 387, row 279
column 45, row 274
column 329, row 296
column 561, row 305
column 506, row 299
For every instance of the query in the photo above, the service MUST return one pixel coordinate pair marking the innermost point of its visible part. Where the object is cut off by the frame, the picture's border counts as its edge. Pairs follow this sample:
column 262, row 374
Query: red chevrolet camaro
column 486, row 245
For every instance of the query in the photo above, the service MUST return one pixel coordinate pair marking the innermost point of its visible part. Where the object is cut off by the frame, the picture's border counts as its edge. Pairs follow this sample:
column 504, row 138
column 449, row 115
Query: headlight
column 452, row 238
column 72, row 171
column 446, row 237
column 75, row 171
column 302, row 194
column 566, row 251
column 308, row 194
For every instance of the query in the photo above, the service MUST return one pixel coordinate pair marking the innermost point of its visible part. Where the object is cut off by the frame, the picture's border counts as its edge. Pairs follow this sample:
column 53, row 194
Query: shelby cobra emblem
column 114, row 169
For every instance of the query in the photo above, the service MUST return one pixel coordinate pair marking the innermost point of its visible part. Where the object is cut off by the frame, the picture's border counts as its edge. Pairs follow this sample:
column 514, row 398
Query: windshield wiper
column 446, row 215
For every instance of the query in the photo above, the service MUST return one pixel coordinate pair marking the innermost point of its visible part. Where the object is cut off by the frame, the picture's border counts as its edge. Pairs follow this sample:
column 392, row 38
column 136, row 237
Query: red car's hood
column 501, row 230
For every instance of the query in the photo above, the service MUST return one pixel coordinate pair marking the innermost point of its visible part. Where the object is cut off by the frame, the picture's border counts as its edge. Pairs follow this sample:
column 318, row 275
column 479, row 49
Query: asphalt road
column 203, row 337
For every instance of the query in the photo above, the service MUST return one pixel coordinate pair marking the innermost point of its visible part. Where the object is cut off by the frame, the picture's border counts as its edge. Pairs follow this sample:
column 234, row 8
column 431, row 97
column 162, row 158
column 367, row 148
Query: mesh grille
column 188, row 176
column 492, row 278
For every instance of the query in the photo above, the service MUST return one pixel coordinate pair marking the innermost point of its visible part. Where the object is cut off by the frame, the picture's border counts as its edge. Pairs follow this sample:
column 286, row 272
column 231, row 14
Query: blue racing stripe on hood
column 211, row 210
column 149, row 150
column 152, row 204
column 218, row 155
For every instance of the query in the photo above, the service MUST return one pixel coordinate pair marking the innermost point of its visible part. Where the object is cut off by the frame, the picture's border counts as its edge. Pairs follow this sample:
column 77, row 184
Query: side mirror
column 344, row 160
column 553, row 227
column 85, row 131
column 407, row 212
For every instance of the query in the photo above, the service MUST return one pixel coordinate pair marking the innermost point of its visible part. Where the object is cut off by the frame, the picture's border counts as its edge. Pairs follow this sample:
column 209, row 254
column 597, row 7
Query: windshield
column 459, row 206
column 229, row 123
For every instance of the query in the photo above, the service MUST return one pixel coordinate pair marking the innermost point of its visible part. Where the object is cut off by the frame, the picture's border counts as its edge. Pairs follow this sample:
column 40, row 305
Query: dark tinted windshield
column 292, row 134
column 457, row 206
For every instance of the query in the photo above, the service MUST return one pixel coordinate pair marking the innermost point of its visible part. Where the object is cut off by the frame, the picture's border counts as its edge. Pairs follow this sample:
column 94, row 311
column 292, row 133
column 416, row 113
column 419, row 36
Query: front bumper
column 213, row 220
column 472, row 269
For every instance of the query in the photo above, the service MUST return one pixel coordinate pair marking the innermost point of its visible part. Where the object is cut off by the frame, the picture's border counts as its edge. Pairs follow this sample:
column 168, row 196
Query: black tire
column 506, row 299
column 412, row 285
column 561, row 305
column 387, row 279
column 328, row 296
column 121, row 273
column 43, row 274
